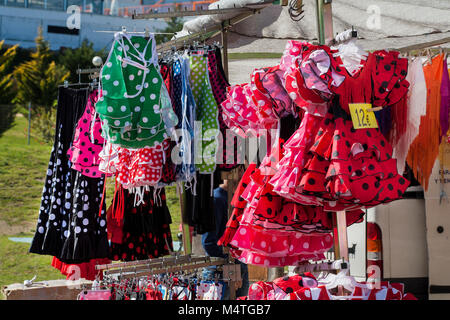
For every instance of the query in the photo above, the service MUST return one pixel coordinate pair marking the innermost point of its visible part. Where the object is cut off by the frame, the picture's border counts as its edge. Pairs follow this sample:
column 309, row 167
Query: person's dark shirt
column 209, row 239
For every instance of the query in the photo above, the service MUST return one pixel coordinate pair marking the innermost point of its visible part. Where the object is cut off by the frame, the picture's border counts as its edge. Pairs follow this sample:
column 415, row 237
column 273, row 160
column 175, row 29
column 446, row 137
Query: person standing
column 209, row 240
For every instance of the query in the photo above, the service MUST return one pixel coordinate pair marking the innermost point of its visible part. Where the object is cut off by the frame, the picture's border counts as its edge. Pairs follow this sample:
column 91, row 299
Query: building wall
column 437, row 201
column 20, row 25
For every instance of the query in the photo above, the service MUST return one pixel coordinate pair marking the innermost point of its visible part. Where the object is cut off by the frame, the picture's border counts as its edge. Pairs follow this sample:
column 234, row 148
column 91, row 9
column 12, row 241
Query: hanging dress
column 228, row 146
column 134, row 104
column 267, row 234
column 199, row 203
column 185, row 108
column 206, row 114
column 168, row 175
column 416, row 104
column 88, row 142
column 144, row 231
column 57, row 193
column 429, row 131
column 346, row 169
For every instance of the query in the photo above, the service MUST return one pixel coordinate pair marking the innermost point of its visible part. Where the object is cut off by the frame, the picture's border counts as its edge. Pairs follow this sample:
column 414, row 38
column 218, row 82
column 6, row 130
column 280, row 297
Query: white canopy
column 380, row 23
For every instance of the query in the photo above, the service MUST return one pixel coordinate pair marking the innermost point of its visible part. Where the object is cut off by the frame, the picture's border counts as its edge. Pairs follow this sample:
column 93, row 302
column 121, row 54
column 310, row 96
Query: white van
column 408, row 239
column 391, row 243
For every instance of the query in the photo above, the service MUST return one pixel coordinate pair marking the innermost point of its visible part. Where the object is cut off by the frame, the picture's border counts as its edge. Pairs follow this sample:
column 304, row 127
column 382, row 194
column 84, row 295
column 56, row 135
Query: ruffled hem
column 135, row 168
column 231, row 228
column 248, row 109
column 47, row 243
column 253, row 258
column 280, row 243
column 79, row 249
column 90, row 171
column 290, row 193
column 144, row 139
column 261, row 98
column 238, row 201
column 294, row 217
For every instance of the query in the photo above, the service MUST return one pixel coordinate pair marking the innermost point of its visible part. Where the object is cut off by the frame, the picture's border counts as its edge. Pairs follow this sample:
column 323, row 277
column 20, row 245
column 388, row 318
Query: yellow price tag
column 361, row 117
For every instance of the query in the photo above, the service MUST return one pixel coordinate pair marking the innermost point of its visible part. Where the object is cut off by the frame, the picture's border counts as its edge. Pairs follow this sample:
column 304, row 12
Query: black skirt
column 198, row 208
column 145, row 228
column 62, row 195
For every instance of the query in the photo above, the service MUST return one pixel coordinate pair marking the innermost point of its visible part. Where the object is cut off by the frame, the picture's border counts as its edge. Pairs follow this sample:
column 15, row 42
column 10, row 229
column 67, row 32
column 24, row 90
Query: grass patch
column 173, row 203
column 22, row 174
column 17, row 265
column 253, row 55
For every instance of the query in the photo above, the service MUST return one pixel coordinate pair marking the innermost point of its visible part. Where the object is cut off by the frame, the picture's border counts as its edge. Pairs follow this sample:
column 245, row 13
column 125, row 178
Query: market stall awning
column 380, row 24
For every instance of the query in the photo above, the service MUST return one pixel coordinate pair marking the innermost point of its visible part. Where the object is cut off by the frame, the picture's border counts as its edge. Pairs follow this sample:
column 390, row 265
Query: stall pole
column 29, row 122
column 340, row 235
column 319, row 16
column 325, row 36
column 324, row 15
column 224, row 34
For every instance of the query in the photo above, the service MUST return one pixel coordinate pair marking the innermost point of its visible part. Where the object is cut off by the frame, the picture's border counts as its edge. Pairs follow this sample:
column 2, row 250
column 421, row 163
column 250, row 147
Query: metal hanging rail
column 140, row 262
column 423, row 45
column 159, row 265
column 188, row 13
column 321, row 266
column 87, row 71
column 133, row 273
column 201, row 12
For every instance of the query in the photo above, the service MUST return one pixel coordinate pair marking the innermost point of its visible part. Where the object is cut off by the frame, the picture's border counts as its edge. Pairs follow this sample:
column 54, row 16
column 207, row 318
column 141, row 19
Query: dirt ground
column 239, row 70
column 9, row 230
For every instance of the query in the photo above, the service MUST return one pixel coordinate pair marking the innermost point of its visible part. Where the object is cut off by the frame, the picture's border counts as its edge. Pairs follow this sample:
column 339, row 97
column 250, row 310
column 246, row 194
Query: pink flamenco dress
column 270, row 229
column 265, row 228
column 329, row 162
column 88, row 142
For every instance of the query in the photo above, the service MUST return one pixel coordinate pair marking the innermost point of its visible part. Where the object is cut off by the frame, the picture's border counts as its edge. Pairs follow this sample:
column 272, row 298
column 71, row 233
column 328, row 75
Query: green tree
column 79, row 58
column 37, row 82
column 7, row 88
column 174, row 24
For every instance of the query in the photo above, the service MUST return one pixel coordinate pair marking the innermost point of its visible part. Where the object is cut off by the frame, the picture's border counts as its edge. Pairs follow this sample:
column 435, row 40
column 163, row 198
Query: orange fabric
column 425, row 148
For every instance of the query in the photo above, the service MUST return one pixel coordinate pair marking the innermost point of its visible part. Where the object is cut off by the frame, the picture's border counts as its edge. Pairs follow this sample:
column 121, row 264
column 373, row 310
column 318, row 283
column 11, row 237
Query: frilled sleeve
column 389, row 78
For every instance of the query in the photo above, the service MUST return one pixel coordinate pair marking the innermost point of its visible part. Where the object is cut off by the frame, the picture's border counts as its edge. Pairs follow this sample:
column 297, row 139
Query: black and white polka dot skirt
column 70, row 201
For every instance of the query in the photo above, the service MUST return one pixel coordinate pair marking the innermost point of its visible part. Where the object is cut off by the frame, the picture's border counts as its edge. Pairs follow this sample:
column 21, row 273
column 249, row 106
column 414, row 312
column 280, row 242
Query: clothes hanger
column 351, row 54
column 66, row 84
column 428, row 56
column 346, row 281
